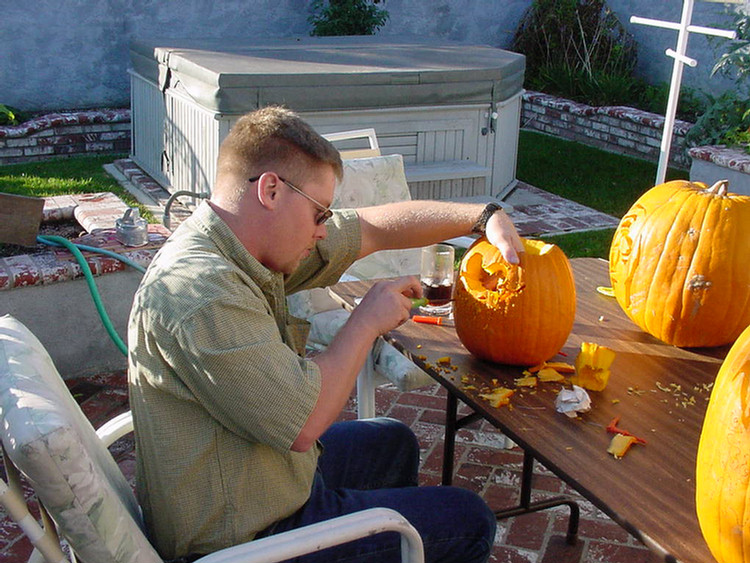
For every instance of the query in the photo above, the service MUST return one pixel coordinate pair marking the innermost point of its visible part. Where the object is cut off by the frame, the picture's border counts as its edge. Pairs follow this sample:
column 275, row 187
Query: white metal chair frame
column 309, row 539
column 369, row 134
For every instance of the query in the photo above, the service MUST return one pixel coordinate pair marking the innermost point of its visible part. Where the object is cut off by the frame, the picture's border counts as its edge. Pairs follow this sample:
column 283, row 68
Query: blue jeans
column 371, row 463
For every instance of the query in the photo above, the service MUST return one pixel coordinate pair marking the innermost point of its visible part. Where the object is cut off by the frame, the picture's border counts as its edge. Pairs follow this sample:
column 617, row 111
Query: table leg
column 453, row 424
column 526, row 506
column 449, row 446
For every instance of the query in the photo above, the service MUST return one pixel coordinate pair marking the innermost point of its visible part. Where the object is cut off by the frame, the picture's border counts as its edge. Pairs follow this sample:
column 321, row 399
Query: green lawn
column 602, row 180
column 76, row 175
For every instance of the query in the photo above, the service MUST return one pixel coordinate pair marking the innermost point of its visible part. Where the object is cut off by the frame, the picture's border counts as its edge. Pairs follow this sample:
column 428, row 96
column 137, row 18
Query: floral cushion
column 375, row 181
column 51, row 442
column 372, row 181
column 366, row 181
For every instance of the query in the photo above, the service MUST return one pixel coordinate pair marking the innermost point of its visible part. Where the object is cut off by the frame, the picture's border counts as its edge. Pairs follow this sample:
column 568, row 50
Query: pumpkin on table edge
column 679, row 260
column 723, row 464
column 514, row 314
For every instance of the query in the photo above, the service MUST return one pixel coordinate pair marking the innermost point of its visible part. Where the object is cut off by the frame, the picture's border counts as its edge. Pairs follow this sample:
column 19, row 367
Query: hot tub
column 452, row 110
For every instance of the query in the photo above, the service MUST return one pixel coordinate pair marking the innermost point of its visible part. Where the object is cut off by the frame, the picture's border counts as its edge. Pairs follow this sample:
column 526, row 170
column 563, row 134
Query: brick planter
column 617, row 129
column 48, row 293
column 713, row 163
column 100, row 131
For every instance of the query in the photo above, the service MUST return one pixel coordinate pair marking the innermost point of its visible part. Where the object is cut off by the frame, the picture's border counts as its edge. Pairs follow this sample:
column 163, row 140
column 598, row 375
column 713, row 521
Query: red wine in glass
column 437, row 294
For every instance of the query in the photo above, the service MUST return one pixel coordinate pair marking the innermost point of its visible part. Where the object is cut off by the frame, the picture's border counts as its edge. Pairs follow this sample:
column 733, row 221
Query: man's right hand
column 387, row 304
column 383, row 308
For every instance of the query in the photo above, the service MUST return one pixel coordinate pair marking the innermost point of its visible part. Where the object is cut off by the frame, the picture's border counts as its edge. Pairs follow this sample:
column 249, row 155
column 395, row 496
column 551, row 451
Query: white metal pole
column 680, row 59
column 674, row 91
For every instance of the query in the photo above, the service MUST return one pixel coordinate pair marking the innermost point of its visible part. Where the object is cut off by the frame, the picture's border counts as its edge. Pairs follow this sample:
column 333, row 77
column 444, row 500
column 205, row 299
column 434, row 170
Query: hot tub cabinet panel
column 452, row 110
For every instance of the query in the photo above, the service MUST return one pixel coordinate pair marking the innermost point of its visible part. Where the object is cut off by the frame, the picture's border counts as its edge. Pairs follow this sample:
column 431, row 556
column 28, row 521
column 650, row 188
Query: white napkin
column 572, row 401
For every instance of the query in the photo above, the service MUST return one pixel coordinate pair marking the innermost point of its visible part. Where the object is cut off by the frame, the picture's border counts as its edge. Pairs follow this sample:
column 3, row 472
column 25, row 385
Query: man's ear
column 267, row 190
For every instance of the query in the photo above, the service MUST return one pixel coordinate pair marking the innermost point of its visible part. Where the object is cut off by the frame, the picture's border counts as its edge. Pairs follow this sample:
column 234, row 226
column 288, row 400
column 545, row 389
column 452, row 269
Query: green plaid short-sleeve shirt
column 219, row 386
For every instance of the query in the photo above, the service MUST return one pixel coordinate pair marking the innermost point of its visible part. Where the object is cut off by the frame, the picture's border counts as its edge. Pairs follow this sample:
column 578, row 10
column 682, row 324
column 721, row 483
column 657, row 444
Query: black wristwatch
column 487, row 212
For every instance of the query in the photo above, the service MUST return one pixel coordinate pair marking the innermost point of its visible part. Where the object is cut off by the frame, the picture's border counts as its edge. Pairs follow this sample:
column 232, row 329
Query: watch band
column 488, row 211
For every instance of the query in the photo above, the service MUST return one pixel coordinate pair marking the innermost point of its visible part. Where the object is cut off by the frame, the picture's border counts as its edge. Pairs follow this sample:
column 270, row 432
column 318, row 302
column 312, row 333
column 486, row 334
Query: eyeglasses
column 324, row 213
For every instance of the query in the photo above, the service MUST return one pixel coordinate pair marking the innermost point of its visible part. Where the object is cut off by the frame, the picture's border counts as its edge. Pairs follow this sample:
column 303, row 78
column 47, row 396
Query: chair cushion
column 366, row 181
column 48, row 438
column 372, row 181
column 375, row 181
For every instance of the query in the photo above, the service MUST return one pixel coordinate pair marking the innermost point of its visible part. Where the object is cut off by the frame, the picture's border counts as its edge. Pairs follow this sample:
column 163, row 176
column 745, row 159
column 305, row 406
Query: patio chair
column 84, row 496
column 366, row 181
column 354, row 151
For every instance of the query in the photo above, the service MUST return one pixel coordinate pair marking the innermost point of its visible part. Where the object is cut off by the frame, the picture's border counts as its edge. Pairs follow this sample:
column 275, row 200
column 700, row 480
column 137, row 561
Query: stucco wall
column 73, row 54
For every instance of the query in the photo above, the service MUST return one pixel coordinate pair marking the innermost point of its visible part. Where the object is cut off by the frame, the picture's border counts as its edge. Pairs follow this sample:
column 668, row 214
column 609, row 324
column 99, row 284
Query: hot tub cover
column 328, row 73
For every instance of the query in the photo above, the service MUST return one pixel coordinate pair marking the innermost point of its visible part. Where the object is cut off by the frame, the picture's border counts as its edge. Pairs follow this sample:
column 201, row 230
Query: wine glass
column 436, row 276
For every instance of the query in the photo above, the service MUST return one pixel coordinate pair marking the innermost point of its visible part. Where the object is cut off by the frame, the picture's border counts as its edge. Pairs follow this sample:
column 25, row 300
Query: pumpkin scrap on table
column 561, row 367
column 527, row 381
column 622, row 439
column 592, row 366
column 612, row 428
column 550, row 374
column 678, row 263
column 620, row 445
column 498, row 397
column 517, row 314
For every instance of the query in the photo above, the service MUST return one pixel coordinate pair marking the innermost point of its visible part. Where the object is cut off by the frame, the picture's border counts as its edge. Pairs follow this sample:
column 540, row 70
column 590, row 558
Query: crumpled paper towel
column 572, row 401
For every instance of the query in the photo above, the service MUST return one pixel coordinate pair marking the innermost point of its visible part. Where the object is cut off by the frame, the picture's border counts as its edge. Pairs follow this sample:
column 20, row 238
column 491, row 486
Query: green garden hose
column 53, row 240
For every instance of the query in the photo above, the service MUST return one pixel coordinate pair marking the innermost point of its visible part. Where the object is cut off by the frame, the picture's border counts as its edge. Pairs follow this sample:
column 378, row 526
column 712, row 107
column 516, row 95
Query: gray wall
column 65, row 320
column 73, row 54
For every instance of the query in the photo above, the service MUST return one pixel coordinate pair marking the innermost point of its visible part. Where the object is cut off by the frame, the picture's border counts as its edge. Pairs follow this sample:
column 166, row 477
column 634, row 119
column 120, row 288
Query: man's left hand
column 501, row 232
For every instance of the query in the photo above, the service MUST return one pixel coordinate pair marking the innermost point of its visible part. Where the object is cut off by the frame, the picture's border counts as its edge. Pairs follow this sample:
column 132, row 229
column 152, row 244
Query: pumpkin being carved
column 679, row 263
column 514, row 314
column 723, row 464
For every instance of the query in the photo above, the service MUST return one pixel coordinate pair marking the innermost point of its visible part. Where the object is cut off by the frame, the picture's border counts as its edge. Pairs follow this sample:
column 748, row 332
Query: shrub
column 581, row 35
column 579, row 50
column 10, row 116
column 346, row 17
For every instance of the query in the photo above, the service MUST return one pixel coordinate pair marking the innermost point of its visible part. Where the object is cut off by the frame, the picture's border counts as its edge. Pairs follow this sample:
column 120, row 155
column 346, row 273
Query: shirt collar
column 208, row 221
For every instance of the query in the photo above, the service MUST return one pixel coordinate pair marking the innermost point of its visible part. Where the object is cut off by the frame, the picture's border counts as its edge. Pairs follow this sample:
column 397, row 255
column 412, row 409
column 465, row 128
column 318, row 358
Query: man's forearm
column 416, row 223
column 410, row 224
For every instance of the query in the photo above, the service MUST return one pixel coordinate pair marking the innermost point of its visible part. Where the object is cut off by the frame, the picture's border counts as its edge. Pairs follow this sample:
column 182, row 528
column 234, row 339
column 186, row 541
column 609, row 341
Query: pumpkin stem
column 719, row 188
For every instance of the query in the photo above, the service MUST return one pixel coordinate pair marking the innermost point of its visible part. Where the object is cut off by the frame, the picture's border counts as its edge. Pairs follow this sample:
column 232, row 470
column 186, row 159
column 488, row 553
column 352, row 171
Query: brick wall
column 66, row 134
column 618, row 129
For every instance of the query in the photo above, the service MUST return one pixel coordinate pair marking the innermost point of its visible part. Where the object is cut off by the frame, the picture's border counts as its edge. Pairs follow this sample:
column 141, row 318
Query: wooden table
column 660, row 393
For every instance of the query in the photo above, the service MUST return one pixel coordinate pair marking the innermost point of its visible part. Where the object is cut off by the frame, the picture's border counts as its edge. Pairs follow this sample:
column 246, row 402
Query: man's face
column 301, row 214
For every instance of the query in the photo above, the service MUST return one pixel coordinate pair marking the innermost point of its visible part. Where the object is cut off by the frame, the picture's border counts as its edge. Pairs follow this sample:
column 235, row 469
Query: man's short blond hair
column 273, row 138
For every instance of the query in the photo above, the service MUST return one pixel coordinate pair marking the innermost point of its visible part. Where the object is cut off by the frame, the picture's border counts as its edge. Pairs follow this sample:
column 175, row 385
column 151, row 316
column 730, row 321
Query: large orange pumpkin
column 723, row 465
column 679, row 263
column 514, row 314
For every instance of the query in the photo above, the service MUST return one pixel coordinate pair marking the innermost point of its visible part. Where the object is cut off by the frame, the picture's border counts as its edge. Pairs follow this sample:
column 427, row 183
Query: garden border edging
column 73, row 133
column 618, row 129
